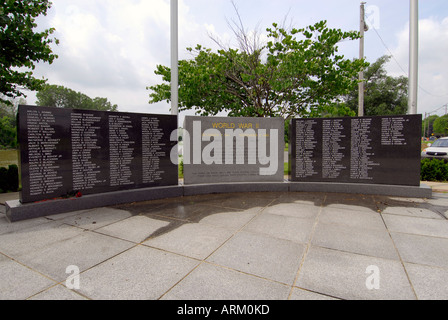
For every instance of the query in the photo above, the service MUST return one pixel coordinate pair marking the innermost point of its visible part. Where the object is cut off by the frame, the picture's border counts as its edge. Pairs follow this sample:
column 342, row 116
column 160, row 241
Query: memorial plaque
column 371, row 150
column 222, row 149
column 67, row 152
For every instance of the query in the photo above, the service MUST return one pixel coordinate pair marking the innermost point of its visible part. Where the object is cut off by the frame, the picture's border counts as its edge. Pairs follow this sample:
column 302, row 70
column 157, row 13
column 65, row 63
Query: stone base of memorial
column 423, row 191
column 15, row 211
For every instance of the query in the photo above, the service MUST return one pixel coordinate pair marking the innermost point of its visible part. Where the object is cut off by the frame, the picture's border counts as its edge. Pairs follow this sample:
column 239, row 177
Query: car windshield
column 442, row 143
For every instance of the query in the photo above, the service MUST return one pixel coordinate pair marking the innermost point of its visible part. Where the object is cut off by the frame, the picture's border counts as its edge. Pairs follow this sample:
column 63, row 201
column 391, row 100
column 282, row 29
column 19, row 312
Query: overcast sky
column 110, row 48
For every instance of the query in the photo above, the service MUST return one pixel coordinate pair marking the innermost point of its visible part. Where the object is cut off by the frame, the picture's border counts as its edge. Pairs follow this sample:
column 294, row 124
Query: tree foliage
column 428, row 125
column 61, row 97
column 384, row 95
column 440, row 126
column 8, row 133
column 21, row 46
column 297, row 72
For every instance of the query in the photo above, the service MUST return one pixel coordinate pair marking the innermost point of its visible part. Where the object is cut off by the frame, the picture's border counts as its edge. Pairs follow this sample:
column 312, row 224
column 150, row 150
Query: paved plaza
column 251, row 246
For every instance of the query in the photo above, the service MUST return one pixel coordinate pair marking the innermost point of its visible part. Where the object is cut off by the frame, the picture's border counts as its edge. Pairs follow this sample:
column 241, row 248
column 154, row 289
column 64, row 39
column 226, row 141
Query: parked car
column 437, row 150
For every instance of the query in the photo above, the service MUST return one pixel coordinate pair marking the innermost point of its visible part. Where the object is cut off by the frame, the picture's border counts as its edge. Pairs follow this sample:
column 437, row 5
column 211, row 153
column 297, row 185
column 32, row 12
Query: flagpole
column 413, row 57
column 174, row 58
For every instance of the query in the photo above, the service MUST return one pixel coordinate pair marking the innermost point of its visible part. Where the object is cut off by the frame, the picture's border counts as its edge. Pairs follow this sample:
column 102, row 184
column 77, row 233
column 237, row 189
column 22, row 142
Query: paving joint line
column 308, row 246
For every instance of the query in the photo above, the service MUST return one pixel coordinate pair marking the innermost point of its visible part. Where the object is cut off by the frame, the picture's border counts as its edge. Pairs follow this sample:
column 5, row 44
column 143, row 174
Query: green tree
column 440, row 126
column 8, row 133
column 428, row 126
column 296, row 73
column 61, row 97
column 384, row 95
column 21, row 46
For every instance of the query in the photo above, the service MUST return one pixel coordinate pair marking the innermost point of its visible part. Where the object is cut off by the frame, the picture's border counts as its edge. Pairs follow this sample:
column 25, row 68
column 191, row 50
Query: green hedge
column 434, row 170
column 9, row 179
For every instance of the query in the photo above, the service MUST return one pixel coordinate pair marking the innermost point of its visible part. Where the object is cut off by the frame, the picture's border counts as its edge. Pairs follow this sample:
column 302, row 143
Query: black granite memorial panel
column 369, row 150
column 222, row 149
column 78, row 152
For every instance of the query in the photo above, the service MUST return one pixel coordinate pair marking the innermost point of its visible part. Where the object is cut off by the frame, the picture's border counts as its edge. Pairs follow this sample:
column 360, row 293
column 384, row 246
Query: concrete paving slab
column 356, row 202
column 141, row 273
column 306, row 198
column 422, row 250
column 261, row 255
column 361, row 219
column 96, row 218
column 243, row 201
column 83, row 251
column 343, row 275
column 192, row 240
column 429, row 282
column 282, row 227
column 27, row 241
column 19, row 282
column 58, row 292
column 420, row 226
column 300, row 294
column 136, row 229
column 7, row 227
column 211, row 282
column 413, row 212
column 371, row 242
column 230, row 219
column 295, row 209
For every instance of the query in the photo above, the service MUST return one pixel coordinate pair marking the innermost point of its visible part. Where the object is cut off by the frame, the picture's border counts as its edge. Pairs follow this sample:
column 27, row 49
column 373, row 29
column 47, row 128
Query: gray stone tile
column 192, row 239
column 302, row 198
column 413, row 212
column 296, row 210
column 343, row 275
column 422, row 249
column 356, row 219
column 261, row 255
column 371, row 242
column 300, row 294
column 83, row 251
column 96, row 218
column 350, row 202
column 136, row 229
column 58, row 292
column 22, row 242
column 19, row 282
column 8, row 227
column 429, row 282
column 242, row 201
column 420, row 226
column 282, row 227
column 229, row 219
column 141, row 273
column 209, row 282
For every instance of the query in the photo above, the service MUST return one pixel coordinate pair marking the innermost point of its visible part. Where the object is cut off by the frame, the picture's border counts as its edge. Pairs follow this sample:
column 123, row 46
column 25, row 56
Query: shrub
column 434, row 170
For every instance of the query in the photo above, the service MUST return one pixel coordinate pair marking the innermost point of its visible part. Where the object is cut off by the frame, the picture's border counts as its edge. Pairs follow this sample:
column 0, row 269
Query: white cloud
column 433, row 62
column 110, row 48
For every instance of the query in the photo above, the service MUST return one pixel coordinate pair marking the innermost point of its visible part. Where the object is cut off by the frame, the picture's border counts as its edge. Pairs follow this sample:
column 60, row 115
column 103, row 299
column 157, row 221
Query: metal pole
column 174, row 58
column 413, row 57
column 361, row 56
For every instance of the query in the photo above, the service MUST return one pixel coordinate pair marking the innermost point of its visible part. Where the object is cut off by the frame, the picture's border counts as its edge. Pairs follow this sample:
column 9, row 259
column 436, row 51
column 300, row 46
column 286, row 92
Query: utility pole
column 363, row 27
column 413, row 57
column 174, row 58
column 424, row 125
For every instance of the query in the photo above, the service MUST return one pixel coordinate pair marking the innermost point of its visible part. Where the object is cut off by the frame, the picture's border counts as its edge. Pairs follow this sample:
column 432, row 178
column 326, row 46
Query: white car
column 437, row 150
